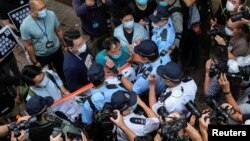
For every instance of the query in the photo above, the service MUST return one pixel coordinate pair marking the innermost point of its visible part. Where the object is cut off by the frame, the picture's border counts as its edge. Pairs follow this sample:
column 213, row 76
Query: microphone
column 113, row 69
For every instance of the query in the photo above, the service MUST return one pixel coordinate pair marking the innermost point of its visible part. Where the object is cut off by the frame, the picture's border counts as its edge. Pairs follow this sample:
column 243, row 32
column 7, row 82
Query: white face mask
column 230, row 7
column 82, row 48
column 228, row 31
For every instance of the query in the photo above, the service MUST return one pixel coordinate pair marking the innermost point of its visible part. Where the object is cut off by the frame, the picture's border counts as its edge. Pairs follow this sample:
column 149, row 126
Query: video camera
column 244, row 13
column 16, row 127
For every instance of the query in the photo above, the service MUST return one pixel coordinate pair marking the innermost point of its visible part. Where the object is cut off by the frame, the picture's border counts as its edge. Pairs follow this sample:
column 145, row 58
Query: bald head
column 34, row 4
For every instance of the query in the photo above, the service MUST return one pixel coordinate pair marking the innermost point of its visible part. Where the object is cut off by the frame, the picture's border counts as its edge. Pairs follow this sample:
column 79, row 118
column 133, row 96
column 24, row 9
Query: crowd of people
column 136, row 63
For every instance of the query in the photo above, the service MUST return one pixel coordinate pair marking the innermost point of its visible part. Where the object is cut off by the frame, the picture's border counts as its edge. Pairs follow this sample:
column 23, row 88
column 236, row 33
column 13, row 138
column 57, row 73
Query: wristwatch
column 119, row 76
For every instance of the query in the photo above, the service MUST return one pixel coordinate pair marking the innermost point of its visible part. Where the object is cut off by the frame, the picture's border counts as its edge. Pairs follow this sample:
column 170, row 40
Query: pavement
column 69, row 20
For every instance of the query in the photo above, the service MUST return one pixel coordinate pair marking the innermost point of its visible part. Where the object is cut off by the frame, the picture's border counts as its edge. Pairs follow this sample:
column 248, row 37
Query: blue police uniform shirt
column 99, row 97
column 141, row 85
column 164, row 36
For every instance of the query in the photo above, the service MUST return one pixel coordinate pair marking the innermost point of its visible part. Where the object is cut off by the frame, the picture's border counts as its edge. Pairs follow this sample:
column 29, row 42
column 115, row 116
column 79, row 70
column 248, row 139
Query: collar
column 177, row 91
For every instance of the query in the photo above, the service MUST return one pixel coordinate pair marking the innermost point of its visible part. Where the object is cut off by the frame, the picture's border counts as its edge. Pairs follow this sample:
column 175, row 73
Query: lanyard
column 44, row 32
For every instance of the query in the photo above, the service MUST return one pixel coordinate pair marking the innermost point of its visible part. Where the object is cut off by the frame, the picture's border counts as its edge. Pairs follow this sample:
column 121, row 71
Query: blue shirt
column 99, row 97
column 164, row 42
column 34, row 29
column 75, row 69
column 122, row 60
column 141, row 85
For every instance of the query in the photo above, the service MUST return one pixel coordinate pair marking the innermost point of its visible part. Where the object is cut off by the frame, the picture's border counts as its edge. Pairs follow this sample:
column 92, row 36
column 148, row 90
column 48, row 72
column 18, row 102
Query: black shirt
column 8, row 5
column 141, row 14
column 128, row 36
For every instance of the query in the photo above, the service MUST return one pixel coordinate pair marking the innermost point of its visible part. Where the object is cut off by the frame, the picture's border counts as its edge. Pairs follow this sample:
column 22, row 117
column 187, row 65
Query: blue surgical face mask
column 129, row 24
column 163, row 3
column 142, row 2
column 117, row 56
column 42, row 13
column 45, row 81
column 134, row 106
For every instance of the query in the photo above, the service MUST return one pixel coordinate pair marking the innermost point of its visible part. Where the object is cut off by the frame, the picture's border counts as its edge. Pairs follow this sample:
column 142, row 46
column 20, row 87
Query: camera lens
column 162, row 111
column 192, row 108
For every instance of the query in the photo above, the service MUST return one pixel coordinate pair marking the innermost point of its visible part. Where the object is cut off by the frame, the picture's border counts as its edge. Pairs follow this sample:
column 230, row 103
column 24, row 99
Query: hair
column 219, row 52
column 71, row 35
column 125, row 11
column 28, row 73
column 108, row 42
column 153, row 57
column 97, row 83
column 242, row 1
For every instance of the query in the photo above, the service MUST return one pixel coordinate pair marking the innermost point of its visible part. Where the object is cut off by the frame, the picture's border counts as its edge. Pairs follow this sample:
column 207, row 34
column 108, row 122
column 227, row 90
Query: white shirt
column 181, row 94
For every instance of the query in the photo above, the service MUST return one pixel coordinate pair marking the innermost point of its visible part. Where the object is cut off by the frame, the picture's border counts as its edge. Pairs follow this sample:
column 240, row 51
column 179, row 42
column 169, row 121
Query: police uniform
column 99, row 97
column 164, row 37
column 142, row 83
column 174, row 99
column 139, row 124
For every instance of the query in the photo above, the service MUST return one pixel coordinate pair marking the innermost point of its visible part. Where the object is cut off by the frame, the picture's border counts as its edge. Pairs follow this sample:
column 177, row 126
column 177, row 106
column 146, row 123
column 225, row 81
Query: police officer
column 179, row 91
column 176, row 15
column 149, row 54
column 100, row 93
column 163, row 29
column 126, row 103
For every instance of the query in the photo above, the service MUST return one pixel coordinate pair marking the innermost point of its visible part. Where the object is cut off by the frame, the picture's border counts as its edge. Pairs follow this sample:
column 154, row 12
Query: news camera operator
column 242, row 110
column 215, row 65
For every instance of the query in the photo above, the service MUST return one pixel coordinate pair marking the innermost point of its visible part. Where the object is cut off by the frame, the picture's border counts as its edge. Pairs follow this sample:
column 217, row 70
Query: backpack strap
column 50, row 76
column 92, row 106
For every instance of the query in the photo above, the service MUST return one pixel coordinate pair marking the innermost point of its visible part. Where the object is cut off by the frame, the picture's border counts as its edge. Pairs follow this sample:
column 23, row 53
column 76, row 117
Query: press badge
column 49, row 44
column 95, row 25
